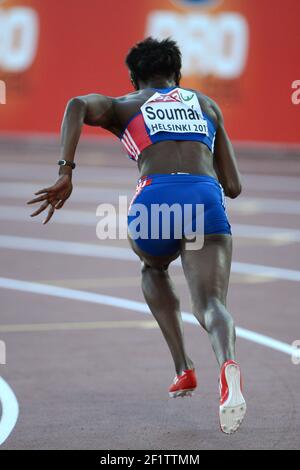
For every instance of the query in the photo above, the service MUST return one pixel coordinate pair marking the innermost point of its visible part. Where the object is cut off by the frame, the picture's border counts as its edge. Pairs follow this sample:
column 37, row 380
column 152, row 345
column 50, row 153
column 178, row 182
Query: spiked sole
column 182, row 393
column 233, row 411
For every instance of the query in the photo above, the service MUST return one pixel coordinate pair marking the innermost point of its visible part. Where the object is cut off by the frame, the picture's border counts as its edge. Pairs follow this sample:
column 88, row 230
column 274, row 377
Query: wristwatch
column 66, row 163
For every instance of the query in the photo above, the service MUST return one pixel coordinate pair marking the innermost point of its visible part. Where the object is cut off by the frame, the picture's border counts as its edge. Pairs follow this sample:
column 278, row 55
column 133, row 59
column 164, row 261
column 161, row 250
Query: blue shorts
column 187, row 195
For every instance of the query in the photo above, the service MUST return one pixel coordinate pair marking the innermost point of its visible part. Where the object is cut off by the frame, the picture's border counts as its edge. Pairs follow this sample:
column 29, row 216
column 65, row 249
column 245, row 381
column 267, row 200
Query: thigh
column 207, row 270
column 160, row 262
column 156, row 250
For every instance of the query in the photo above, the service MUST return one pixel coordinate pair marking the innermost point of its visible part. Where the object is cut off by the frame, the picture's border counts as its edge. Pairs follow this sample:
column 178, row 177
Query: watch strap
column 66, row 163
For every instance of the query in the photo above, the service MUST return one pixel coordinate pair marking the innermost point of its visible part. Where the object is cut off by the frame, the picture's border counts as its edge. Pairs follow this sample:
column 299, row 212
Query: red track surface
column 104, row 386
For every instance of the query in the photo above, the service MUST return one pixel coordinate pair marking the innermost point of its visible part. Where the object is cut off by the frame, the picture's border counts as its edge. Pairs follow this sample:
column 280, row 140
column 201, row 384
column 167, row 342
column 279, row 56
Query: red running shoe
column 232, row 403
column 184, row 384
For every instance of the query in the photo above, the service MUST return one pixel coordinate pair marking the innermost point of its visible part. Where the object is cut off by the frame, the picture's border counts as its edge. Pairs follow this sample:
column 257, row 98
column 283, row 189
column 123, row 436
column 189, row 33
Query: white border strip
column 10, row 410
column 84, row 296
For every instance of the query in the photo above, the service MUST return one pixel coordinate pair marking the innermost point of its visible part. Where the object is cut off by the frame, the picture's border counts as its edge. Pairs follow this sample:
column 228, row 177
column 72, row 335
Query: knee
column 153, row 268
column 152, row 273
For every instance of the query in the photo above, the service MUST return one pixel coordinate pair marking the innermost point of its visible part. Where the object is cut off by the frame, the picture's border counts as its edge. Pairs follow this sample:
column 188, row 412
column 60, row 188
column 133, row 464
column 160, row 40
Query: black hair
column 152, row 58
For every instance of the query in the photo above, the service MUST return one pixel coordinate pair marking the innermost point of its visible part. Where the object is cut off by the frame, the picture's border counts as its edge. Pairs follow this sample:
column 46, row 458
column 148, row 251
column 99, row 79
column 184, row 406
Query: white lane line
column 270, row 183
column 120, row 253
column 77, row 326
column 94, row 176
column 91, row 297
column 65, row 217
column 10, row 410
column 96, row 195
column 263, row 232
column 266, row 271
column 89, row 219
column 113, row 176
column 254, row 205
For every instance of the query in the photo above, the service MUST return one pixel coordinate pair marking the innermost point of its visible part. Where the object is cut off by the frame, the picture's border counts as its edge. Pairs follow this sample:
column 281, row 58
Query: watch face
column 66, row 163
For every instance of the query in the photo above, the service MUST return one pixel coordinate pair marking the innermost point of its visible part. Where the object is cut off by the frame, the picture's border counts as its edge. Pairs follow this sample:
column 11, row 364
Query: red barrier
column 243, row 54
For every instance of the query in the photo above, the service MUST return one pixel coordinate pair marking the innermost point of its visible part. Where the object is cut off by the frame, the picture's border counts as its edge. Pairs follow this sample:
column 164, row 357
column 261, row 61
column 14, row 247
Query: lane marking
column 259, row 182
column 88, row 176
column 81, row 194
column 135, row 281
column 95, row 195
column 84, row 296
column 99, row 282
column 67, row 217
column 74, row 326
column 246, row 206
column 89, row 219
column 10, row 410
column 33, row 175
column 266, row 233
column 121, row 253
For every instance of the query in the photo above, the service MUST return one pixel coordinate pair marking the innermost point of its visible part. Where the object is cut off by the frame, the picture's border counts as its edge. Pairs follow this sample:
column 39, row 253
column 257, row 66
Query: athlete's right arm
column 93, row 110
column 224, row 159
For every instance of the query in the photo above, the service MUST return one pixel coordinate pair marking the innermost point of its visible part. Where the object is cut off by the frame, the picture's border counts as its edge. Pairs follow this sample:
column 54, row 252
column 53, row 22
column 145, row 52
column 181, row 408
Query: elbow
column 75, row 112
column 75, row 105
column 233, row 190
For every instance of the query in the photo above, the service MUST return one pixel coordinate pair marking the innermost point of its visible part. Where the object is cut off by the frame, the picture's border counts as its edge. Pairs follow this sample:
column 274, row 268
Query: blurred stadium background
column 63, row 385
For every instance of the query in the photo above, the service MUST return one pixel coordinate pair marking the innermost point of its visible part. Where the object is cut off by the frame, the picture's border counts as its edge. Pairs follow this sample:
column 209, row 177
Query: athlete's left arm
column 224, row 158
column 93, row 110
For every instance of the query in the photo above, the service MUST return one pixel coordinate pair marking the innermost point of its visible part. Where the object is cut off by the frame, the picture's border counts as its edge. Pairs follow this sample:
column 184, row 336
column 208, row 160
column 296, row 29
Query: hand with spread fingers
column 54, row 196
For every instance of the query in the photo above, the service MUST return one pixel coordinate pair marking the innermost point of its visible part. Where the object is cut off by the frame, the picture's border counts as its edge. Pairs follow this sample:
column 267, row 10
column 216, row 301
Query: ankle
column 188, row 365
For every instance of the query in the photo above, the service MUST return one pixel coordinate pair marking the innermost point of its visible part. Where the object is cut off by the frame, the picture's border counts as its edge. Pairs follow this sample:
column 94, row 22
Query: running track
column 87, row 368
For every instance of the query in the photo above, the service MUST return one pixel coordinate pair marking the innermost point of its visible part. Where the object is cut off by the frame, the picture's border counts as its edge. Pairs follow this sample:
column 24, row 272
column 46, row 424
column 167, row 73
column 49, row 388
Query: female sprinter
column 178, row 140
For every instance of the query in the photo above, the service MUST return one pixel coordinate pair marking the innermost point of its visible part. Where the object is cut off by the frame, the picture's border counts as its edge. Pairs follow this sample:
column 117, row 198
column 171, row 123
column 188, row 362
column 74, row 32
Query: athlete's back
column 168, row 149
